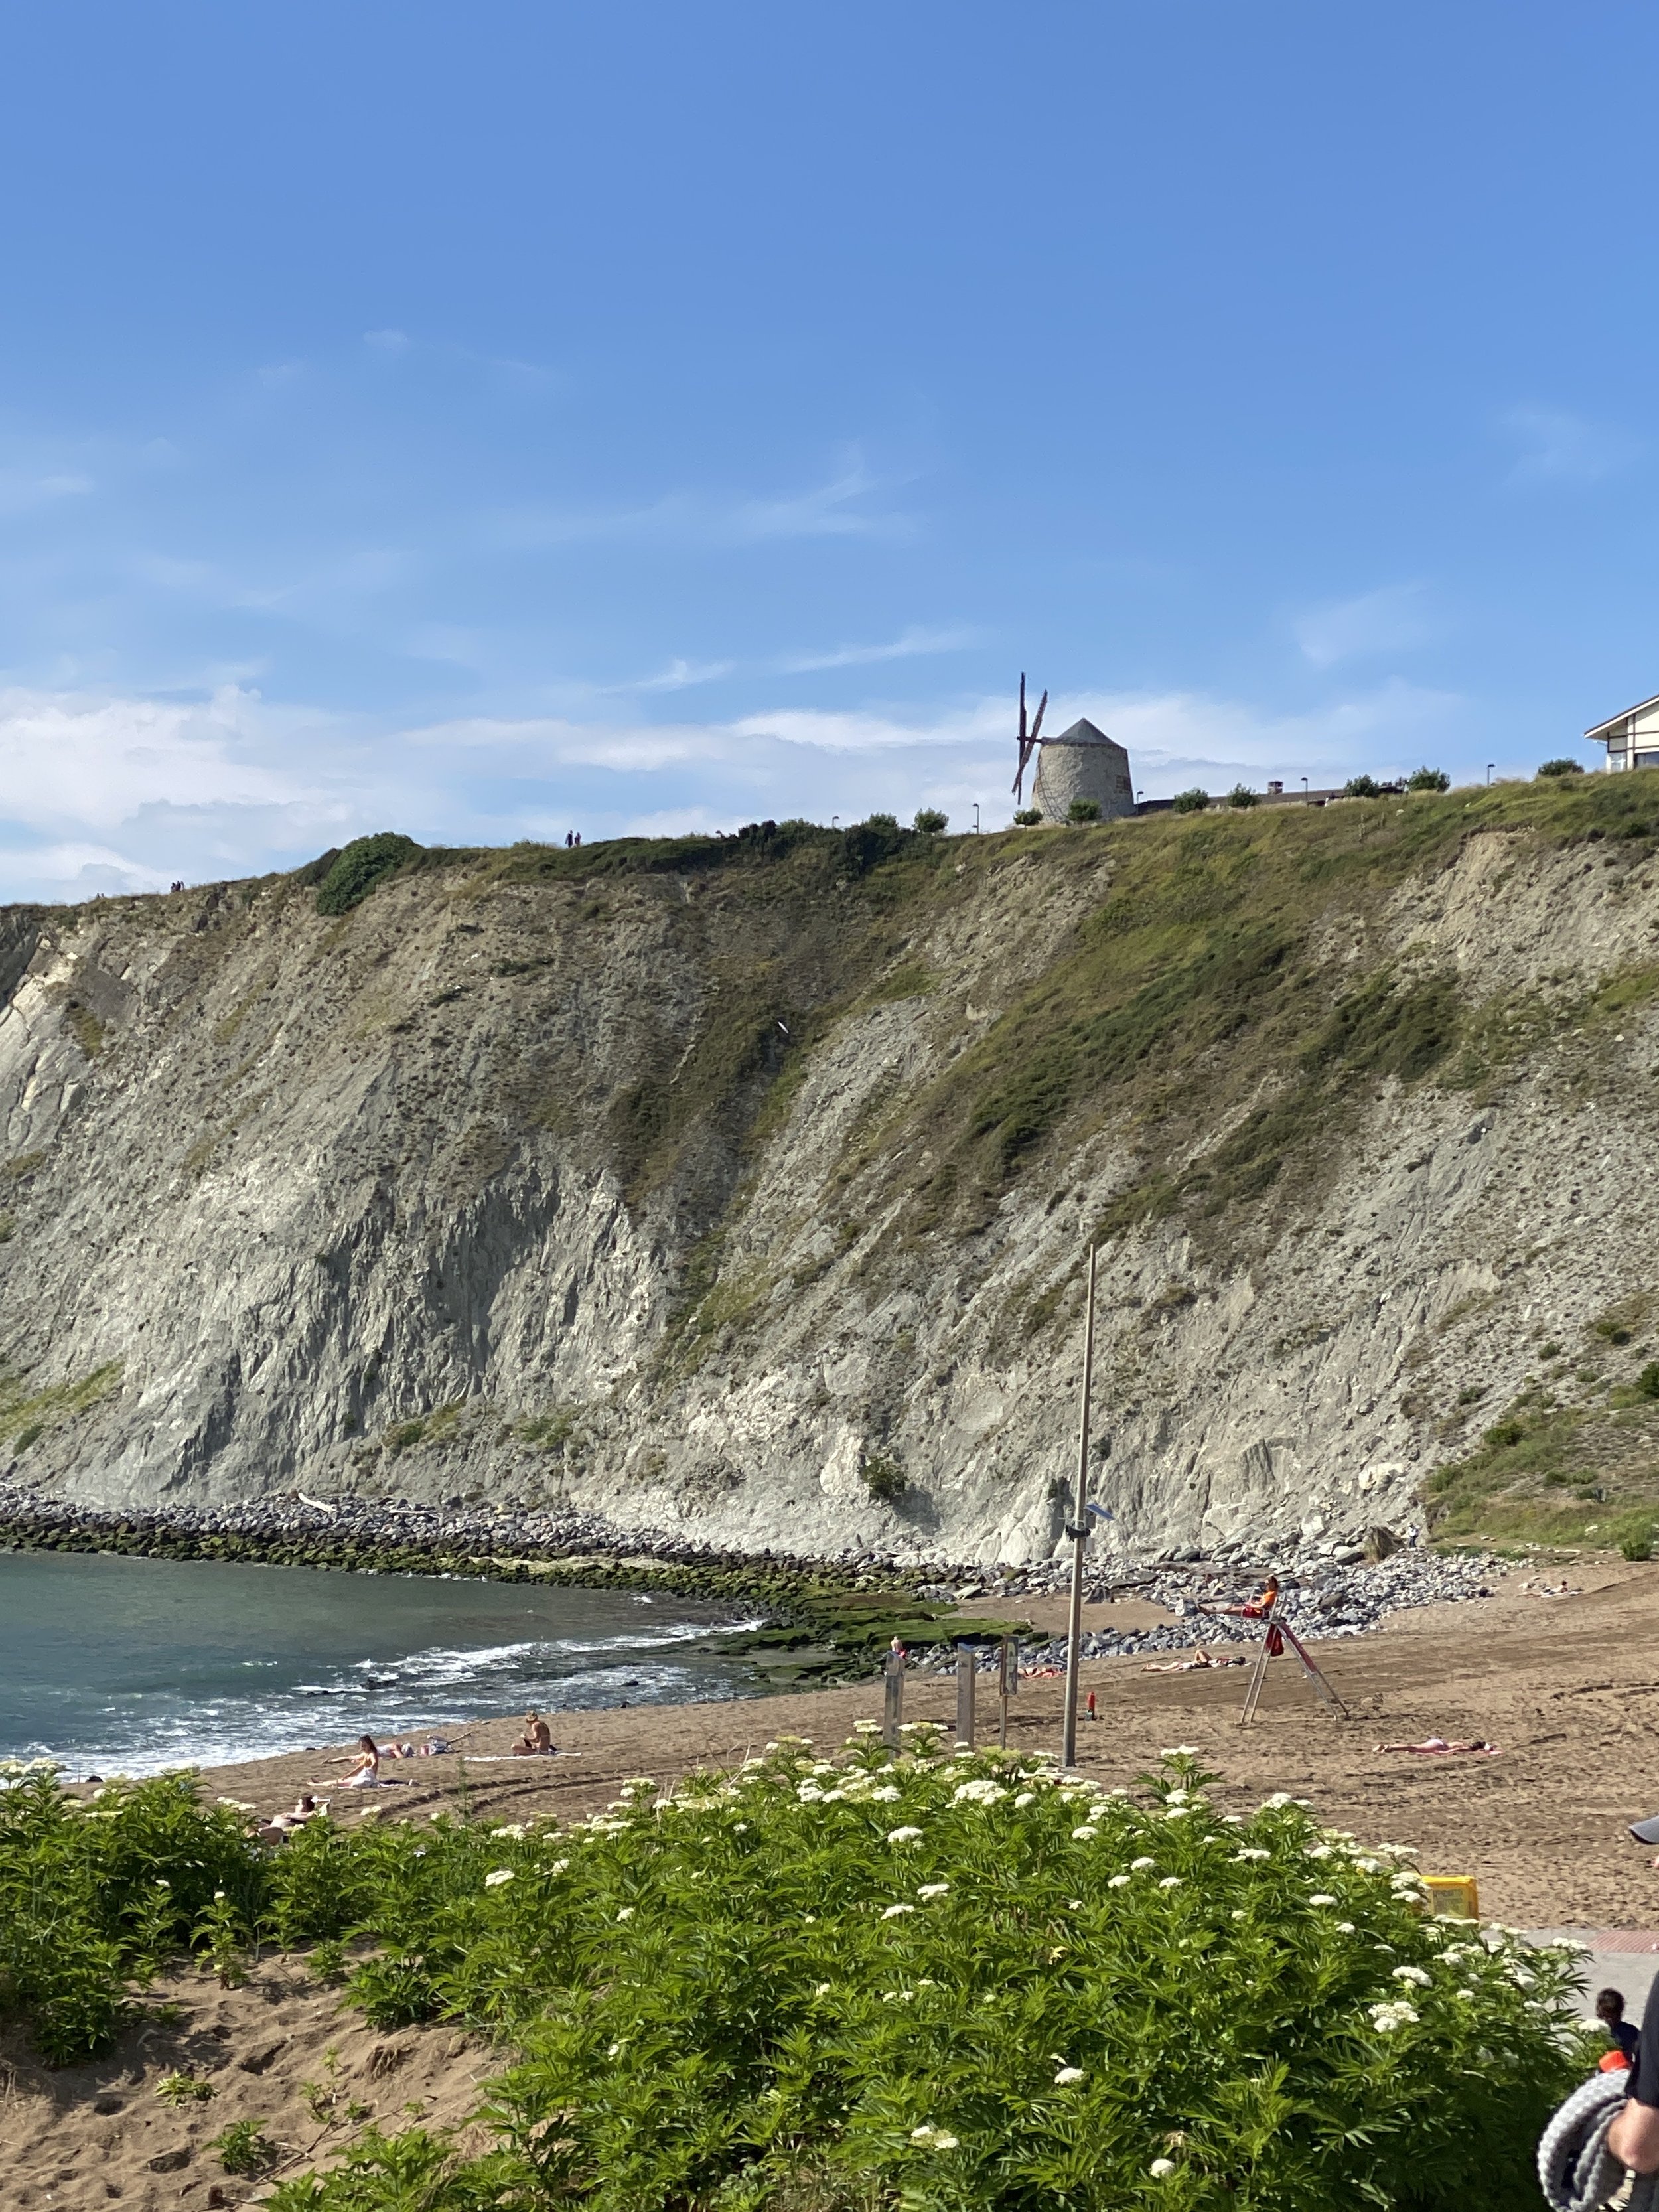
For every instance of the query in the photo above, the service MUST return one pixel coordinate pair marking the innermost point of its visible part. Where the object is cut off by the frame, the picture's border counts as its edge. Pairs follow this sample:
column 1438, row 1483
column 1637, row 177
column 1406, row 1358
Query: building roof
column 1629, row 715
column 1083, row 732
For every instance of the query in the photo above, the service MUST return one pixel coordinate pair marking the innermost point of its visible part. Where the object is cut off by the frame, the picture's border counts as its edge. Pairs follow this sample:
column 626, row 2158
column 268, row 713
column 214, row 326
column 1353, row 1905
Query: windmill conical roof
column 1082, row 732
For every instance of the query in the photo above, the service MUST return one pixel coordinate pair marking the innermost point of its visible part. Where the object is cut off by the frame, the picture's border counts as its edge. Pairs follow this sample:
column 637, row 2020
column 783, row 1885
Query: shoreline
column 816, row 1622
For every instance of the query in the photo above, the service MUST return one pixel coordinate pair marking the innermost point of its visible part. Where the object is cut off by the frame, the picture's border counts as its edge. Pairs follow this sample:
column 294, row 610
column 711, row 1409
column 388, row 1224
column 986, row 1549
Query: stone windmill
column 1081, row 763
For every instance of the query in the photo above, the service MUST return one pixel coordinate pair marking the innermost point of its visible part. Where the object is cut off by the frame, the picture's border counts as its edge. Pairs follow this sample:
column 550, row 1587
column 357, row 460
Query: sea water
column 124, row 1666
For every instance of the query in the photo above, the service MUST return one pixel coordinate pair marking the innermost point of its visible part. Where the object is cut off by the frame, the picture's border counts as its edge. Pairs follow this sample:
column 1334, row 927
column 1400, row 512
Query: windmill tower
column 1081, row 763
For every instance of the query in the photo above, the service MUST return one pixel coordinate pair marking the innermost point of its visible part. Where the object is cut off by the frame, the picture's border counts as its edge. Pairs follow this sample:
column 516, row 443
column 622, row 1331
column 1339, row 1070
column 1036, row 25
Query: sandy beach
column 1565, row 1686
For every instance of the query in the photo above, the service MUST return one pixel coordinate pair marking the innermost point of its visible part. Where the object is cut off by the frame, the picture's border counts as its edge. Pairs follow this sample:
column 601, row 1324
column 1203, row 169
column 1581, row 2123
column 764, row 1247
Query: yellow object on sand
column 1452, row 1896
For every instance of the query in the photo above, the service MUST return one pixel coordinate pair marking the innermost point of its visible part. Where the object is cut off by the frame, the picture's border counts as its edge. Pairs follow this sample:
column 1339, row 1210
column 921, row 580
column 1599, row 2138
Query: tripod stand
column 1276, row 1636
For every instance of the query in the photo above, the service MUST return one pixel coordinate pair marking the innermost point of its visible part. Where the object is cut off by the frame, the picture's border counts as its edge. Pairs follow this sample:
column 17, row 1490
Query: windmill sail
column 1028, row 739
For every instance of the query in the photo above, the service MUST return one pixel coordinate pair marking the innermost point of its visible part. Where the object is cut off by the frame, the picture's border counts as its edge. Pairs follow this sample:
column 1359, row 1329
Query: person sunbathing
column 1436, row 1746
column 366, row 1769
column 536, row 1742
column 1200, row 1658
column 306, row 1808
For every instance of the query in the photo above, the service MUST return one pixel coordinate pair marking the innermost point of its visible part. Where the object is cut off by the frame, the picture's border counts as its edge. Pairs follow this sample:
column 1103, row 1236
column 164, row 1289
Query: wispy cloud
column 1388, row 620
column 1558, row 446
column 844, row 506
column 912, row 643
column 678, row 676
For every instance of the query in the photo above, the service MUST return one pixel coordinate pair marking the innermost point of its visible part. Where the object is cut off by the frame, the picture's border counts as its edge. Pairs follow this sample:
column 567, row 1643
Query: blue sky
column 487, row 422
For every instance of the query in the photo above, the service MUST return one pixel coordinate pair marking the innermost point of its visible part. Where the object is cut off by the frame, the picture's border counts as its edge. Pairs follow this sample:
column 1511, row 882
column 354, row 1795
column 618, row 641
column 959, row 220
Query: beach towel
column 1576, row 2171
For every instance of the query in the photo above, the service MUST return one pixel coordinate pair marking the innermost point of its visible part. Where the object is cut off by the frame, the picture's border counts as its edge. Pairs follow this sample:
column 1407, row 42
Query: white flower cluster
column 933, row 2138
column 1386, row 2018
column 983, row 1791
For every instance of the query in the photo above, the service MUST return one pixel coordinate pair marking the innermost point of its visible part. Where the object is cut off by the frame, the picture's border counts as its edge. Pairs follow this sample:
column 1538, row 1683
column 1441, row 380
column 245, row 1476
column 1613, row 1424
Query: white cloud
column 1559, row 447
column 74, row 763
column 1388, row 620
column 913, row 641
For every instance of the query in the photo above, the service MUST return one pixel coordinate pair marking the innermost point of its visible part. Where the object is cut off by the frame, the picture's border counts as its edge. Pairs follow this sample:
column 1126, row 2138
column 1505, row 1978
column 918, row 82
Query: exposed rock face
column 725, row 1199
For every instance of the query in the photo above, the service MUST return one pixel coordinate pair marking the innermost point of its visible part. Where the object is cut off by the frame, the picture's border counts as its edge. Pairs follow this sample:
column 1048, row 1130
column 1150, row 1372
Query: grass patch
column 1207, row 977
column 29, row 1414
column 84, row 1026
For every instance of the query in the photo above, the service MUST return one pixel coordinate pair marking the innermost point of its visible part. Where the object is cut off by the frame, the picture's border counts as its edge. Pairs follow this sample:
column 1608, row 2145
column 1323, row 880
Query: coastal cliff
column 739, row 1189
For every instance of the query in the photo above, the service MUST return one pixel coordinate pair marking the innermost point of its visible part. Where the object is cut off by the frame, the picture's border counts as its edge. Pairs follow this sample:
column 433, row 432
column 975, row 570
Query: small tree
column 1240, row 795
column 1562, row 767
column 1361, row 786
column 1190, row 802
column 1428, row 779
column 930, row 822
column 1028, row 817
column 1083, row 810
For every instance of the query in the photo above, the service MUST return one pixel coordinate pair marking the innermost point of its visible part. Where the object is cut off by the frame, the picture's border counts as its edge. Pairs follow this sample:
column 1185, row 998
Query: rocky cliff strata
column 741, row 1190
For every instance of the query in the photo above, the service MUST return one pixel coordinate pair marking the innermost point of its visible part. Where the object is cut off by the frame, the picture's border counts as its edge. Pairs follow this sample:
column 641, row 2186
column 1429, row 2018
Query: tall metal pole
column 1080, row 1535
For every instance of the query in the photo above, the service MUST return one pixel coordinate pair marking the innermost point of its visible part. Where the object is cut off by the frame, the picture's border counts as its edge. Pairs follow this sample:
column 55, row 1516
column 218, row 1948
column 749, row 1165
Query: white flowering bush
column 938, row 1984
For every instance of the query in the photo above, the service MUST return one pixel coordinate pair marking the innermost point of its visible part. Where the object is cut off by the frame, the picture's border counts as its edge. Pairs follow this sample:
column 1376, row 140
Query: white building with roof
column 1632, row 738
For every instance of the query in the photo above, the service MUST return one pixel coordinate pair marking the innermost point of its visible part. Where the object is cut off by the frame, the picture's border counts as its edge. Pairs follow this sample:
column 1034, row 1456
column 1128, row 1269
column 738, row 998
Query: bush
column 1028, row 817
column 965, row 1983
column 363, row 866
column 1561, row 767
column 1083, row 810
column 930, row 823
column 93, row 1899
column 883, row 1478
column 868, row 843
column 1240, row 795
column 1638, row 1547
column 1647, row 1381
column 1428, row 779
column 1361, row 786
column 1190, row 802
column 971, row 1983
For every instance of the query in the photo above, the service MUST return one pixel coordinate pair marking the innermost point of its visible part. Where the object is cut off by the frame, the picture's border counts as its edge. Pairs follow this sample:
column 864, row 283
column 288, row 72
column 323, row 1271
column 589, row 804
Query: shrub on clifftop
column 363, row 864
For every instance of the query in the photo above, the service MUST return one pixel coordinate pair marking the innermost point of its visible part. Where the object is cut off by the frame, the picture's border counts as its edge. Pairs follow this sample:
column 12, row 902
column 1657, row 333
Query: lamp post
column 1078, row 1533
column 976, row 817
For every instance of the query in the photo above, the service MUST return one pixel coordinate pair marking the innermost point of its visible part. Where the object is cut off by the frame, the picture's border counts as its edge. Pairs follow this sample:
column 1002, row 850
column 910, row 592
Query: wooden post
column 1007, row 1682
column 1079, row 1536
column 893, row 1709
column 967, row 1681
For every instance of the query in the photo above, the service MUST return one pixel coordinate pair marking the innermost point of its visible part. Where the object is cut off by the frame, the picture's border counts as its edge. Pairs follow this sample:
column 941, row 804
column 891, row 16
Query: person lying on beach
column 1436, row 1746
column 536, row 1742
column 306, row 1808
column 1200, row 1658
